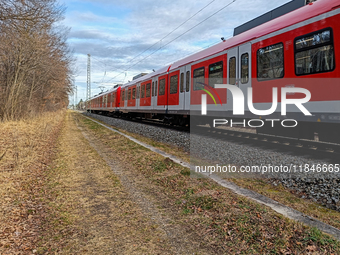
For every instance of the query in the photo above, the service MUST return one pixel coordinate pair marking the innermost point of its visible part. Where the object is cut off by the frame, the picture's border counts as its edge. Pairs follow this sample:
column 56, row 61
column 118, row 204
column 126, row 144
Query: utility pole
column 88, row 91
column 76, row 98
column 74, row 94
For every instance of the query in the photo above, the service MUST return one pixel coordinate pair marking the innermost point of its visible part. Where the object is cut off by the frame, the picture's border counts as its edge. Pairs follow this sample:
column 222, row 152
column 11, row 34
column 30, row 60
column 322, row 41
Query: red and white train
column 299, row 49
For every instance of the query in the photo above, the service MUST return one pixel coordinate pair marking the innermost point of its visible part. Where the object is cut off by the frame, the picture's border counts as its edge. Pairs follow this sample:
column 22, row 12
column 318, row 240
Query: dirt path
column 134, row 185
column 110, row 214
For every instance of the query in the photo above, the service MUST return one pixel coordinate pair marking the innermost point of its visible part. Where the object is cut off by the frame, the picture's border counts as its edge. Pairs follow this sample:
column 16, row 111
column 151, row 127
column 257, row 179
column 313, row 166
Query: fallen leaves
column 22, row 173
column 311, row 248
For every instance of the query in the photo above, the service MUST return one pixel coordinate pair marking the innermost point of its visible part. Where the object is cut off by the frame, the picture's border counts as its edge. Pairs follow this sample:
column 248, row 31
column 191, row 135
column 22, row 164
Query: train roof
column 304, row 13
column 148, row 76
column 104, row 93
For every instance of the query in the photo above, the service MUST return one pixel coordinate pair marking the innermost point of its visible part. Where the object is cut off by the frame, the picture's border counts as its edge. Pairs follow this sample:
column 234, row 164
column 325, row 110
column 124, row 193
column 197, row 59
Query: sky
column 129, row 37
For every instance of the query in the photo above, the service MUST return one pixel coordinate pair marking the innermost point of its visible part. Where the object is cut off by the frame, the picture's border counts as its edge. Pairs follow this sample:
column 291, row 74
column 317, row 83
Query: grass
column 224, row 222
column 277, row 193
column 287, row 197
column 90, row 212
column 26, row 148
column 161, row 165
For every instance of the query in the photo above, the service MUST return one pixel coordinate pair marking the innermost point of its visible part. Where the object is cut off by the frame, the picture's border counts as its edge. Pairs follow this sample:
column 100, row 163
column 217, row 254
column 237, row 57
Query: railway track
column 321, row 150
column 316, row 149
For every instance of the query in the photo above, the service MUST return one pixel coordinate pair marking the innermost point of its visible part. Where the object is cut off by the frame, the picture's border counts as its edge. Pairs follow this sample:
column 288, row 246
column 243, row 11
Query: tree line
column 35, row 60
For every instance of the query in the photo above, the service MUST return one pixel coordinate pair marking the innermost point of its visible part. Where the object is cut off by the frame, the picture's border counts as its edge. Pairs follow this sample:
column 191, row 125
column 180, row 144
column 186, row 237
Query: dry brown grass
column 25, row 148
column 288, row 197
column 223, row 222
column 279, row 193
column 90, row 211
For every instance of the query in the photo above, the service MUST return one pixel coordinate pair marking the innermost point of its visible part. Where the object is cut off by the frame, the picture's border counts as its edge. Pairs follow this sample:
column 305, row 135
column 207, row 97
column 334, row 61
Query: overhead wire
column 162, row 37
column 176, row 38
column 173, row 30
column 105, row 72
column 193, row 52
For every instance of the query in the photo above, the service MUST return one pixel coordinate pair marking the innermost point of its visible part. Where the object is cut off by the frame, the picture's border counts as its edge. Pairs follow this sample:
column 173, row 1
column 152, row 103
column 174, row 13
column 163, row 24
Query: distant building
column 288, row 7
column 139, row 75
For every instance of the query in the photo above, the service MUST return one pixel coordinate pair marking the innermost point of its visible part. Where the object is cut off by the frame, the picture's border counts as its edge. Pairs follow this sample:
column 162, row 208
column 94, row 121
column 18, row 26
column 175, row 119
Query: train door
column 232, row 71
column 137, row 95
column 244, row 67
column 173, row 90
column 145, row 95
column 162, row 89
column 118, row 95
column 152, row 93
column 187, row 88
column 181, row 89
column 122, row 98
column 125, row 99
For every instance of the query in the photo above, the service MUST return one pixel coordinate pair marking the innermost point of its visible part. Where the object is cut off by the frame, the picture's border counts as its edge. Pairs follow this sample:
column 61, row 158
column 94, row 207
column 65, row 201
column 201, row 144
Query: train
column 300, row 49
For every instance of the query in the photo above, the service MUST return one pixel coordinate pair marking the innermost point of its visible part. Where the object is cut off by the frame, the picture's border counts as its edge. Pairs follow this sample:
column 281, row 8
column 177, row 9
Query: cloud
column 115, row 33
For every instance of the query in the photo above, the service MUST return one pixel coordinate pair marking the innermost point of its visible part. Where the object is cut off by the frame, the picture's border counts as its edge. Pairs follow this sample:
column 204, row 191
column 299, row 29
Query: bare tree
column 35, row 61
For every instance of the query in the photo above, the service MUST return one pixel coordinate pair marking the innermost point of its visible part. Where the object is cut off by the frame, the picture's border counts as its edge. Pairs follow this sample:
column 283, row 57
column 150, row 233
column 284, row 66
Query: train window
column 138, row 92
column 161, row 87
column 129, row 94
column 142, row 91
column 134, row 93
column 123, row 93
column 232, row 71
column 216, row 74
column 187, row 82
column 153, row 88
column 314, row 52
column 156, row 88
column 199, row 78
column 244, row 68
column 148, row 90
column 173, row 84
column 182, row 82
column 270, row 62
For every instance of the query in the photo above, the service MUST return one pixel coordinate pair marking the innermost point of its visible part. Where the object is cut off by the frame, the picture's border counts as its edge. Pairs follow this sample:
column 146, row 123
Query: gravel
column 318, row 186
column 165, row 135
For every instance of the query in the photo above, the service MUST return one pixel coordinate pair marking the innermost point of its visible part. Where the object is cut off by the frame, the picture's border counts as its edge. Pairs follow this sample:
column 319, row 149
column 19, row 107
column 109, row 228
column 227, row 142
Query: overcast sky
column 117, row 33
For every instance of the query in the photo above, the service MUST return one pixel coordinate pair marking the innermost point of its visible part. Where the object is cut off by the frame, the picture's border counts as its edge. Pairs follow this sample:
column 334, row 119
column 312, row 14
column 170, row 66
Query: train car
column 107, row 103
column 297, row 50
